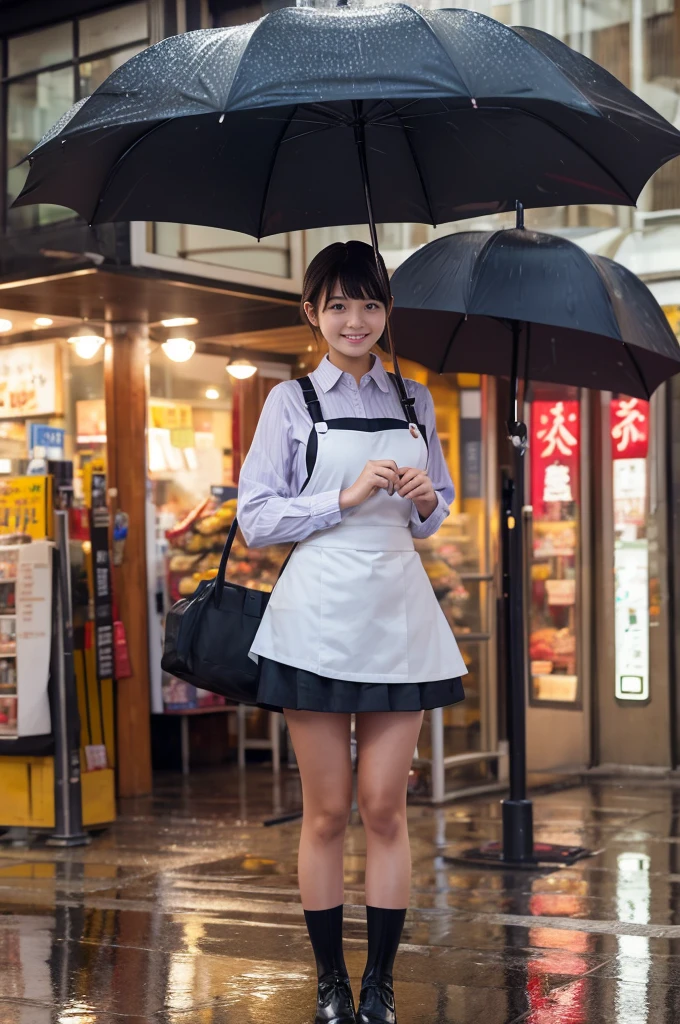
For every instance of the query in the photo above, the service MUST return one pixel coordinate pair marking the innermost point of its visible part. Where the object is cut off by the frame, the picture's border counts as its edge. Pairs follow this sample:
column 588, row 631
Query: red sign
column 629, row 428
column 555, row 435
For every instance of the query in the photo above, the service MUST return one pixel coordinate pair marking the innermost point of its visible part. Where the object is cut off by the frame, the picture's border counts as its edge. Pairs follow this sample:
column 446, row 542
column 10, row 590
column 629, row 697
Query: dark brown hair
column 351, row 265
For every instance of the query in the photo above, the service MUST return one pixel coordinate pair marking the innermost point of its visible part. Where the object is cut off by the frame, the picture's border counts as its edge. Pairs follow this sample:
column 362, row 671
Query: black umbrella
column 593, row 323
column 288, row 122
column 514, row 303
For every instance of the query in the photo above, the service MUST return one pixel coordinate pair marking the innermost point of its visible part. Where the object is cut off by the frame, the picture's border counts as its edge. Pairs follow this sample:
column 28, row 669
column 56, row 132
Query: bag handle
column 221, row 577
column 222, row 571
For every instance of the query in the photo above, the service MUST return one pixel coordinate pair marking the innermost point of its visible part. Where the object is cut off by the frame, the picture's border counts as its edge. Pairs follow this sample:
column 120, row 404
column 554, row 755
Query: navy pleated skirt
column 284, row 686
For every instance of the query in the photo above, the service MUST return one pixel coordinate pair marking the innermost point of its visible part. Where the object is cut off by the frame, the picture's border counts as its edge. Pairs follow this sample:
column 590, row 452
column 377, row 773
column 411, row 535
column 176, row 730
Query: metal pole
column 437, row 746
column 68, row 812
column 518, row 840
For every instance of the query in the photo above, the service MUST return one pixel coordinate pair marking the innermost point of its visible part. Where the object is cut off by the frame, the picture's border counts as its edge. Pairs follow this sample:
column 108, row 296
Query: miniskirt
column 284, row 686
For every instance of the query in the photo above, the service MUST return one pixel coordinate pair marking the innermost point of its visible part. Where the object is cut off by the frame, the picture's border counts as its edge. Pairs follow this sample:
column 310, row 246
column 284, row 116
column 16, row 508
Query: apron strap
column 311, row 399
column 407, row 404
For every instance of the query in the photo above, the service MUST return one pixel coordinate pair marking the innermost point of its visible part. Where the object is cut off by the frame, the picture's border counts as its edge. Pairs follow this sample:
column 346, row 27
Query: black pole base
column 80, row 839
column 518, row 830
column 544, row 857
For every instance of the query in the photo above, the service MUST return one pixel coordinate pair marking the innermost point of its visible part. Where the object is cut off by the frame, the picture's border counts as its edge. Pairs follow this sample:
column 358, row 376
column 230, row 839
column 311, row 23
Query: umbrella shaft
column 360, row 136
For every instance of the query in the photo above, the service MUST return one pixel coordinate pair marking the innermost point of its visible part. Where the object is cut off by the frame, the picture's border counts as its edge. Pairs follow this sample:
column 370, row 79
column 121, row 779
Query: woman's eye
column 337, row 305
column 372, row 305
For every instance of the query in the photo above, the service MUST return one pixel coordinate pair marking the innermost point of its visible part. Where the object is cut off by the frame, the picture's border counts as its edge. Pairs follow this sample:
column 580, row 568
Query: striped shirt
column 271, row 509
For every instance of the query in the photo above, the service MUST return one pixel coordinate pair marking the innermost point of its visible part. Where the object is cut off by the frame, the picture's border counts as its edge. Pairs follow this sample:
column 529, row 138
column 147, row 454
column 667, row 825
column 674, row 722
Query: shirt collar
column 327, row 374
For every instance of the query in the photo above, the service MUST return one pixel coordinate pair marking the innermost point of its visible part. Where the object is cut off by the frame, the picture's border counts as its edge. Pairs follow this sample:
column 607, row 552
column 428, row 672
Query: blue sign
column 49, row 439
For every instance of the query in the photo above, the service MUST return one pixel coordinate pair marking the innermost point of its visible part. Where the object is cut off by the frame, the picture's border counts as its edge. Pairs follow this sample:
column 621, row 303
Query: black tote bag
column 208, row 635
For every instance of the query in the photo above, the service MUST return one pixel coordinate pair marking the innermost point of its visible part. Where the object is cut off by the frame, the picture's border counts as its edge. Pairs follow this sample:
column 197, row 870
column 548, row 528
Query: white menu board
column 33, row 637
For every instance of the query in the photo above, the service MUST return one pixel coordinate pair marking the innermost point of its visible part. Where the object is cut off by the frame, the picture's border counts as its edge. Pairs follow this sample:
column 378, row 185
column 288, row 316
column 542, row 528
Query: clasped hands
column 384, row 474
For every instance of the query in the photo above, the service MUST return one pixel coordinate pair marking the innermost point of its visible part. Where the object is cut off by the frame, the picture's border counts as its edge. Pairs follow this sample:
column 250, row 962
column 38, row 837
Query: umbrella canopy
column 590, row 321
column 284, row 123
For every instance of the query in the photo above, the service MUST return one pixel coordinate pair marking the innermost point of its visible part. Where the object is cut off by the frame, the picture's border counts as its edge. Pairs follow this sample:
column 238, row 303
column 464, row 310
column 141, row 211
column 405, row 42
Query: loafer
column 376, row 1004
column 334, row 1001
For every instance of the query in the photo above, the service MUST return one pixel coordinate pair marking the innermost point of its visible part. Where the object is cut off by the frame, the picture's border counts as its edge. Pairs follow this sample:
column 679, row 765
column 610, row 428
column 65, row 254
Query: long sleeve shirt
column 271, row 509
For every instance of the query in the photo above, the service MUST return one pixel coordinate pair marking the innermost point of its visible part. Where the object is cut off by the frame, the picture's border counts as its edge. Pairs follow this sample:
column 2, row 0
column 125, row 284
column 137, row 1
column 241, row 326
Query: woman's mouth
column 355, row 339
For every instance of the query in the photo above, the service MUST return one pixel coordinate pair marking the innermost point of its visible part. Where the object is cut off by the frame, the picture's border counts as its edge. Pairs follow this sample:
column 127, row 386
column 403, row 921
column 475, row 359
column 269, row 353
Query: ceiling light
column 212, row 393
column 86, row 345
column 43, row 321
column 5, row 325
column 179, row 349
column 180, row 321
column 241, row 369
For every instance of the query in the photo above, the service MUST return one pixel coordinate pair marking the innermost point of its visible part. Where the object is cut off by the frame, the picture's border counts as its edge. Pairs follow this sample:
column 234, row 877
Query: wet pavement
column 186, row 912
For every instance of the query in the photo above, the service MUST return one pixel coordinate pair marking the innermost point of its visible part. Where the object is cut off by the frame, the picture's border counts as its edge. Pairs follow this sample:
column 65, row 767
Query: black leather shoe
column 376, row 1004
column 334, row 1002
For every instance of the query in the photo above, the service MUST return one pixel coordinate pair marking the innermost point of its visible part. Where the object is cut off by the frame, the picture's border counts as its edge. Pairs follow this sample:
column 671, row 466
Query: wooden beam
column 126, row 384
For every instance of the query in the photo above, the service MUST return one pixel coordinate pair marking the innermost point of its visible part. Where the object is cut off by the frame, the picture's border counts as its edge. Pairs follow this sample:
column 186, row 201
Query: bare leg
column 322, row 747
column 386, row 742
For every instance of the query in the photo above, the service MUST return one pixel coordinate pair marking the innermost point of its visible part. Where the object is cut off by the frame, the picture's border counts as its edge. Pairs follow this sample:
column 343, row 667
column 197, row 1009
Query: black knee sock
column 325, row 933
column 384, row 933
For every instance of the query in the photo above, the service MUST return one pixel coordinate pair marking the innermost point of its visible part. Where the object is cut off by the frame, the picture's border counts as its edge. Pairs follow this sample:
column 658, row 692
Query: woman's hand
column 416, row 485
column 376, row 474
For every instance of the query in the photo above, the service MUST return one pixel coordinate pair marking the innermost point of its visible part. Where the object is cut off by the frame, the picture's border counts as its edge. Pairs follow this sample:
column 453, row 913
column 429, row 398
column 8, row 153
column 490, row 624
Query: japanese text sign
column 555, row 435
column 629, row 428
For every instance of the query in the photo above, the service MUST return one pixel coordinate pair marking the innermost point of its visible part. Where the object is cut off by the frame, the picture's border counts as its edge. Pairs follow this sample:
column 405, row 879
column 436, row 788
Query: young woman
column 352, row 472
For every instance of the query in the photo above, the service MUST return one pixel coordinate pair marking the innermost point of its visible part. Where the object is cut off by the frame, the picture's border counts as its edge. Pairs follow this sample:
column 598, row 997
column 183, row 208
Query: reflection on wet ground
column 186, row 912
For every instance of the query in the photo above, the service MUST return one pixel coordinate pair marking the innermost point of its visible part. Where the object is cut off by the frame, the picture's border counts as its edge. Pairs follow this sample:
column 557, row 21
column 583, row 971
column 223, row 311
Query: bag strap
column 221, row 577
column 407, row 404
column 311, row 399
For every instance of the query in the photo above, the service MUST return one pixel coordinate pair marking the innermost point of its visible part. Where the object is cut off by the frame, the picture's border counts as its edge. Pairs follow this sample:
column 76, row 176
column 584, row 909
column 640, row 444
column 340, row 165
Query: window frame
column 74, row 62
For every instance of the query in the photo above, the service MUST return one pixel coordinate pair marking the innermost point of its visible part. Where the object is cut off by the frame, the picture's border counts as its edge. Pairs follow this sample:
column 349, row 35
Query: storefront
column 600, row 580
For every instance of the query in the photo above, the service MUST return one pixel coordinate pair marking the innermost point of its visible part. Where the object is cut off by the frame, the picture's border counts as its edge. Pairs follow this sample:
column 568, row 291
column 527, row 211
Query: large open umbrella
column 522, row 304
column 310, row 118
column 280, row 124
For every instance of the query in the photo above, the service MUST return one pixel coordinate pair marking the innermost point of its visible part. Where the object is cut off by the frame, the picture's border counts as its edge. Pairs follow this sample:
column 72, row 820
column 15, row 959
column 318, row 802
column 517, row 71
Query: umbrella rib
column 303, row 135
column 454, row 334
column 270, row 172
column 126, row 152
column 638, row 371
column 419, row 170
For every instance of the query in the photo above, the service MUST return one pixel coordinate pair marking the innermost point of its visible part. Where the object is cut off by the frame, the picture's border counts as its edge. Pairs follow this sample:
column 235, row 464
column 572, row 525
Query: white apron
column 354, row 601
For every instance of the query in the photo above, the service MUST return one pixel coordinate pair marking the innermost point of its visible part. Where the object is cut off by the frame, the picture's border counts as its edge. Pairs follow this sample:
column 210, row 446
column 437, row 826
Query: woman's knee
column 382, row 815
column 328, row 822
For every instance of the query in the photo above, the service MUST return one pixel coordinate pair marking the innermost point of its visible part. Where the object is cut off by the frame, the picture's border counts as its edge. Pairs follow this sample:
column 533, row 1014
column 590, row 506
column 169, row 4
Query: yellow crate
column 27, row 787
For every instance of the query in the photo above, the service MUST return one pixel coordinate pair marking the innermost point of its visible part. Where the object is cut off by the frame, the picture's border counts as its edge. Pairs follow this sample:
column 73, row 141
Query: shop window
column 554, row 550
column 220, row 248
column 33, row 105
column 49, row 399
column 113, row 28
column 45, row 74
column 41, row 49
column 193, row 476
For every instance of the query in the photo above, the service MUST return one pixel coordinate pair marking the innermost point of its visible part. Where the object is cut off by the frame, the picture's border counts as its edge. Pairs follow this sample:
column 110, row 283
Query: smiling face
column 350, row 326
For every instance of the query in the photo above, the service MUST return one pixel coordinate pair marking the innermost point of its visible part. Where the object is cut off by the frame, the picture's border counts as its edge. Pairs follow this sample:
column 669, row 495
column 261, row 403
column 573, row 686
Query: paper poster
column 29, row 380
column 26, row 505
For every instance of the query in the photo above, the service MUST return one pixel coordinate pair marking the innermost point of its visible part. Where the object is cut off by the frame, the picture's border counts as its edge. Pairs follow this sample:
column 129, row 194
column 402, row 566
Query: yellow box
column 27, row 787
